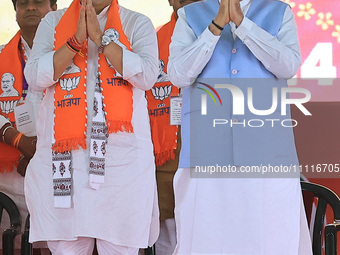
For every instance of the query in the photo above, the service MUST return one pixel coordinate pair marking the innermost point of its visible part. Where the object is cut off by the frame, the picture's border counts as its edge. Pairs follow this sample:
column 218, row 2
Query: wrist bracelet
column 71, row 47
column 3, row 133
column 16, row 140
column 219, row 27
column 74, row 43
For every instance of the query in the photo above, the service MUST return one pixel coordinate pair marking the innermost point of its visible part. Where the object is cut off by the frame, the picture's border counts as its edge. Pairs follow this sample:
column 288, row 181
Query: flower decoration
column 325, row 20
column 306, row 11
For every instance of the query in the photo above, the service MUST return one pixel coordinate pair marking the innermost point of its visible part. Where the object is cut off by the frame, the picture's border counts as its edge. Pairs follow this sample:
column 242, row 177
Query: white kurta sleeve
column 140, row 66
column 280, row 55
column 3, row 121
column 188, row 54
column 39, row 70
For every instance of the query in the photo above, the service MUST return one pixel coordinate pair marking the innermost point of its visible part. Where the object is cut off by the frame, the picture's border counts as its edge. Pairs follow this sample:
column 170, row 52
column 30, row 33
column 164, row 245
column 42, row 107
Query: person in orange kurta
column 166, row 137
column 16, row 149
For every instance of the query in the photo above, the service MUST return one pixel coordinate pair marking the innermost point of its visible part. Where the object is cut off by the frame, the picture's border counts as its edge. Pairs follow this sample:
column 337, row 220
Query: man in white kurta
column 253, row 216
column 123, row 211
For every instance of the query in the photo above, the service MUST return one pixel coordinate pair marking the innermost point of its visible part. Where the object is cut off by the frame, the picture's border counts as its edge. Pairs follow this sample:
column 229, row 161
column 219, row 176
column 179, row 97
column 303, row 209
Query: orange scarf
column 10, row 62
column 70, row 91
column 164, row 136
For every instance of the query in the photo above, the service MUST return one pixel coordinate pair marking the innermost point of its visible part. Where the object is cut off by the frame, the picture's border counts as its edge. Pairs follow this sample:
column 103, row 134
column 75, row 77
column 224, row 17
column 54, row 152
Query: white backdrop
column 158, row 11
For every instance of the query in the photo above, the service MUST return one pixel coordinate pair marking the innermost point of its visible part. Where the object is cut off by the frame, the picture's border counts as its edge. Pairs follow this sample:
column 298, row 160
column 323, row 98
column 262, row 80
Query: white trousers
column 166, row 241
column 85, row 245
column 244, row 216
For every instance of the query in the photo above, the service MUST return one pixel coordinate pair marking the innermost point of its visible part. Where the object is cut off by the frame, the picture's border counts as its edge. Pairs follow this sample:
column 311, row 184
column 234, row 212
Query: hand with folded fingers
column 81, row 33
column 92, row 24
column 235, row 12
column 222, row 18
column 230, row 10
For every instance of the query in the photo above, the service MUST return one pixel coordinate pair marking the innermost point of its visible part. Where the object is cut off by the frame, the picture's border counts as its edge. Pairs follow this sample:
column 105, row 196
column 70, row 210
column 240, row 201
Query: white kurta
column 124, row 209
column 240, row 216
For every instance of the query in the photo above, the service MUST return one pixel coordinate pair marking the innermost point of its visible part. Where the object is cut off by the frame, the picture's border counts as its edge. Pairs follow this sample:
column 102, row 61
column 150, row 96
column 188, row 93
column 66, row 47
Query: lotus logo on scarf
column 8, row 106
column 160, row 93
column 69, row 84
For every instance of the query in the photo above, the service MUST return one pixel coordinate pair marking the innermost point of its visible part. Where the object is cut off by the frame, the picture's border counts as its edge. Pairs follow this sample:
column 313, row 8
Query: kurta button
column 234, row 71
column 233, row 51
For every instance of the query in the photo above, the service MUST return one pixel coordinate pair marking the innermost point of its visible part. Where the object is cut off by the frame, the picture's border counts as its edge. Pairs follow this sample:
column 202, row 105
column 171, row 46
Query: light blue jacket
column 237, row 145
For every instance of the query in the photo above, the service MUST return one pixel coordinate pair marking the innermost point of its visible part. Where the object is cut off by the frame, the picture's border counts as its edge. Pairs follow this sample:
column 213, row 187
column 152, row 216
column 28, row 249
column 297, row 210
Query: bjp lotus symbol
column 160, row 93
column 8, row 106
column 69, row 84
